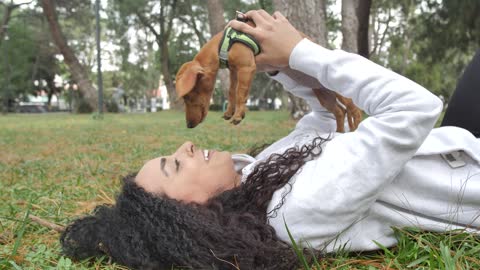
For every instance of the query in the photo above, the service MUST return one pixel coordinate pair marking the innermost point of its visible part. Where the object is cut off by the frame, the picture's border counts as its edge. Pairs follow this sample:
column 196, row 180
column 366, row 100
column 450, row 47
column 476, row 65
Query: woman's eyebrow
column 162, row 165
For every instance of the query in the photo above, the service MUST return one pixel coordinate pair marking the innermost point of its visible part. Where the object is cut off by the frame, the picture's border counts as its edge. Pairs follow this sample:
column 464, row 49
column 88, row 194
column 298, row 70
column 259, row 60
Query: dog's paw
column 237, row 118
column 227, row 116
column 354, row 117
column 236, row 121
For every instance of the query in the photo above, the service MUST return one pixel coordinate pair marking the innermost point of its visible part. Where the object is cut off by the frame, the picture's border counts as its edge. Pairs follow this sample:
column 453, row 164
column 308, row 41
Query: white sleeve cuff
column 302, row 53
column 287, row 82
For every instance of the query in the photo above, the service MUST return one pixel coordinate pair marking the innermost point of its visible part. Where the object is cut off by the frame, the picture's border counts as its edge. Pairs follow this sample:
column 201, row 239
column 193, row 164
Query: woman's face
column 188, row 175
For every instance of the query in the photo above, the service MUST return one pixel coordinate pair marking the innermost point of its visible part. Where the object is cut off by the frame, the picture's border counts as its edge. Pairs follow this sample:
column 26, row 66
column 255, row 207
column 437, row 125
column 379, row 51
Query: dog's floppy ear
column 187, row 77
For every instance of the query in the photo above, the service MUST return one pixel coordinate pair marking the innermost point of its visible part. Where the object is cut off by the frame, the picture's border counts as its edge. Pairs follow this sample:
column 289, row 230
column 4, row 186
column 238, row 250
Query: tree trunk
column 165, row 30
column 363, row 15
column 355, row 23
column 216, row 21
column 51, row 89
column 350, row 25
column 310, row 17
column 161, row 38
column 167, row 77
column 78, row 72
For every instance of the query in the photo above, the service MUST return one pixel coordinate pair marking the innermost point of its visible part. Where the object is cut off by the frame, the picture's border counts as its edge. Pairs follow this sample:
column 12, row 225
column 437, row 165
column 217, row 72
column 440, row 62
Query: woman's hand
column 276, row 36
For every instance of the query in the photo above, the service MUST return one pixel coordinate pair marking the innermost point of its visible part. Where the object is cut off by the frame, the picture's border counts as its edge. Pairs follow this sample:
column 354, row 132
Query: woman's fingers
column 258, row 16
column 276, row 36
column 267, row 17
column 242, row 27
column 279, row 16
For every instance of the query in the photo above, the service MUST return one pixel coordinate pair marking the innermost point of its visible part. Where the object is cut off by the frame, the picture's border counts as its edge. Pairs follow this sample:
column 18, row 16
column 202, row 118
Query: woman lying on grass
column 205, row 209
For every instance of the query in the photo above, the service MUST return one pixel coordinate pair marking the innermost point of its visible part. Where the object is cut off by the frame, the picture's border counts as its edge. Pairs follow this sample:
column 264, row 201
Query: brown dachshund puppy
column 195, row 82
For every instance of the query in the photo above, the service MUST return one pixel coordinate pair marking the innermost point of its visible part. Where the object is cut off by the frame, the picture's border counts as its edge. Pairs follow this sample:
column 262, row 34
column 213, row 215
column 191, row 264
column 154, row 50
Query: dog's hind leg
column 328, row 99
column 354, row 114
column 245, row 77
column 231, row 96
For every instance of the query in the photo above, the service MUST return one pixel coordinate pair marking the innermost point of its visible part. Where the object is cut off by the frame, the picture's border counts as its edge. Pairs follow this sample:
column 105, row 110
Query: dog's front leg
column 231, row 96
column 245, row 77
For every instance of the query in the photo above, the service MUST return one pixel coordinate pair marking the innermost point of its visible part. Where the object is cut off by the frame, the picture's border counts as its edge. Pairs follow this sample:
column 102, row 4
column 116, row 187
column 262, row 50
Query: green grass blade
column 315, row 261
column 299, row 253
column 418, row 261
column 21, row 231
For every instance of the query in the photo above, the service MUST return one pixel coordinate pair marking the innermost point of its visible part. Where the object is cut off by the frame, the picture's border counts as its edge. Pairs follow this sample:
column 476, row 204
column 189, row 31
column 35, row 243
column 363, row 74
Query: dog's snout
column 191, row 124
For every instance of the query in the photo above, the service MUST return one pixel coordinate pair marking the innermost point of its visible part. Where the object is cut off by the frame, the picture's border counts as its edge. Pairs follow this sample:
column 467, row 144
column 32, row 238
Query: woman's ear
column 187, row 77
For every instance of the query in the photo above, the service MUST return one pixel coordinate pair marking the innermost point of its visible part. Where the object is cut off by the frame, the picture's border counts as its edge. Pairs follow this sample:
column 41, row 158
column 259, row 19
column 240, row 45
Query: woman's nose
column 189, row 148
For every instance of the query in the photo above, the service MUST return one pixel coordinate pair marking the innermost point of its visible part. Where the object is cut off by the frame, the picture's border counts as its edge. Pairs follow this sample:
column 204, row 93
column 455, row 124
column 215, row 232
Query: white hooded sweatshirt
column 388, row 172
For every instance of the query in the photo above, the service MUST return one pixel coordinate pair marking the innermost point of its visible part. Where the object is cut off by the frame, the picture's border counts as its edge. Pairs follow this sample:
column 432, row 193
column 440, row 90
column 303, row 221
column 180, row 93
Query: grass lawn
column 60, row 166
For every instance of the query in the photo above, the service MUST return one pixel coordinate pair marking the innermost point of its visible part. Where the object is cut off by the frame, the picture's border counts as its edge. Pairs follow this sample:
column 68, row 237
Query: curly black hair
column 230, row 231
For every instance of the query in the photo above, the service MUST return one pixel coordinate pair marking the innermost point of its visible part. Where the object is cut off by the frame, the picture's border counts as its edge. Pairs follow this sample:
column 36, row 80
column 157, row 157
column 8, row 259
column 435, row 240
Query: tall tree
column 191, row 13
column 160, row 25
column 7, row 15
column 433, row 41
column 450, row 25
column 16, row 55
column 45, row 64
column 355, row 24
column 350, row 25
column 382, row 17
column 310, row 17
column 216, row 21
column 77, row 71
column 363, row 15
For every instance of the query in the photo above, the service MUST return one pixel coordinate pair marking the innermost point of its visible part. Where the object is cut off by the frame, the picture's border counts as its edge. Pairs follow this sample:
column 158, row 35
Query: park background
column 68, row 132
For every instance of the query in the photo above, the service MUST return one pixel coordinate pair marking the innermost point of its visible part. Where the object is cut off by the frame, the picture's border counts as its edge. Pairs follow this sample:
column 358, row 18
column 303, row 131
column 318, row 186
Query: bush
column 83, row 107
column 112, row 106
column 216, row 107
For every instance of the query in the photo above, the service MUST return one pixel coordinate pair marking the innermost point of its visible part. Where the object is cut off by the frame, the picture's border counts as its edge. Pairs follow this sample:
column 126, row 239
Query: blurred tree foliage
column 430, row 41
column 26, row 55
column 146, row 41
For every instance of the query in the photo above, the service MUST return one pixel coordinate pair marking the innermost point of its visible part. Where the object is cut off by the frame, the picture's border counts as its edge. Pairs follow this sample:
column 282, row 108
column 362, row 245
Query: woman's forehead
column 151, row 174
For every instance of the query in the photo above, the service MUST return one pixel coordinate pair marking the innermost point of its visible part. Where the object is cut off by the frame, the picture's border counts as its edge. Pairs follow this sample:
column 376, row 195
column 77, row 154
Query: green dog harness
column 231, row 36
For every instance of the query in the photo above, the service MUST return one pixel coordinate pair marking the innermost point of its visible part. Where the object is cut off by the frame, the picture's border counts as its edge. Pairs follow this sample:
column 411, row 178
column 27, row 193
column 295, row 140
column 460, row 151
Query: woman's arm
column 300, row 84
column 337, row 190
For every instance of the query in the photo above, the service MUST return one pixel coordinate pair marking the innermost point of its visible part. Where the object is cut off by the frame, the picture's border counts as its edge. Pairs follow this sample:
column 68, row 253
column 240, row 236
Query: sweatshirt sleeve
column 299, row 88
column 300, row 84
column 337, row 189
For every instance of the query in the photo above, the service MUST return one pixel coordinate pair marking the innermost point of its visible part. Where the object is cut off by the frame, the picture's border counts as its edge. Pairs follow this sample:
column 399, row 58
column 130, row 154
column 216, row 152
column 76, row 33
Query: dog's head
column 195, row 85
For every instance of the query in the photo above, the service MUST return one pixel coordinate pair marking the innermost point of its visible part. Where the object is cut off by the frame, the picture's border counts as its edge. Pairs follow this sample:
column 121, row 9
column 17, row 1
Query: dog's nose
column 191, row 124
